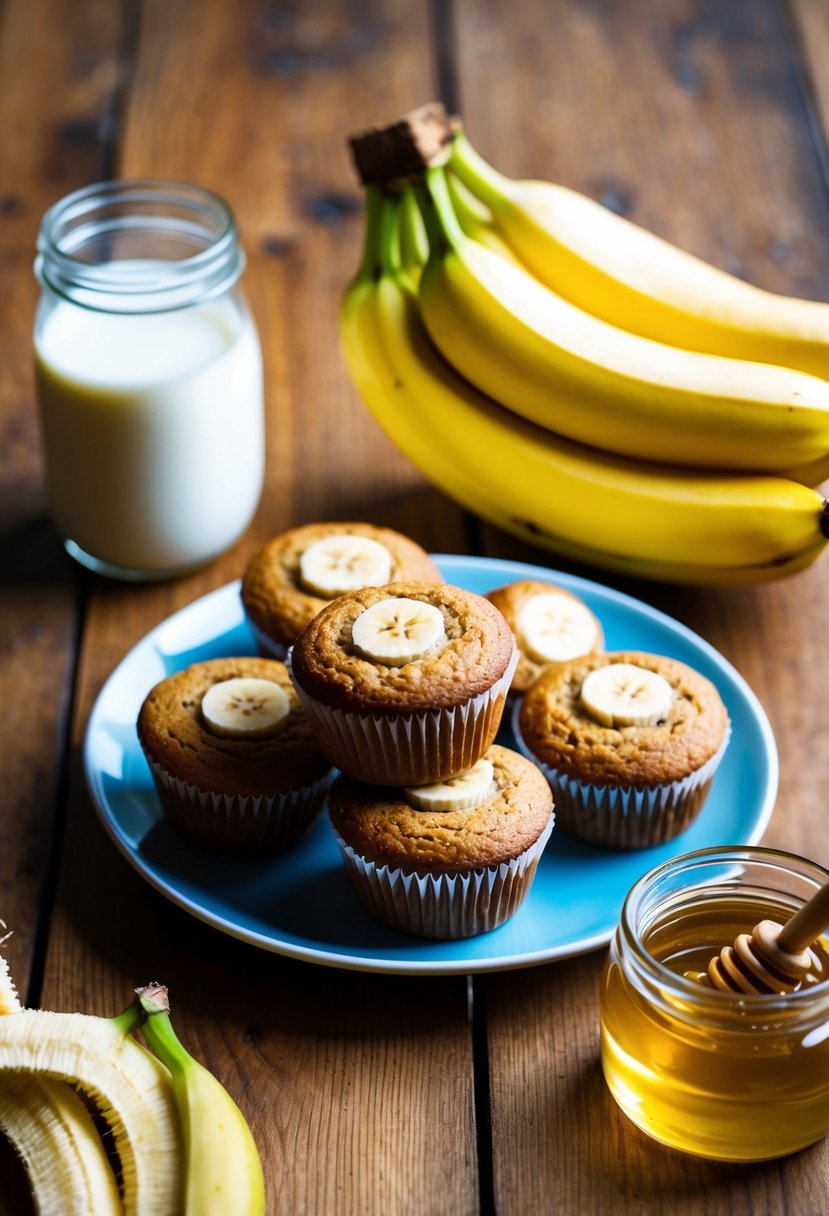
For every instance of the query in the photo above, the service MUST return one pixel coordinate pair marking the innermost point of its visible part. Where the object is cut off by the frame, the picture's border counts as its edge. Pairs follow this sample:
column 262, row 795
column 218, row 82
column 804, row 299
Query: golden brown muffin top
column 474, row 656
column 511, row 599
column 171, row 730
column 562, row 734
column 383, row 827
column 274, row 596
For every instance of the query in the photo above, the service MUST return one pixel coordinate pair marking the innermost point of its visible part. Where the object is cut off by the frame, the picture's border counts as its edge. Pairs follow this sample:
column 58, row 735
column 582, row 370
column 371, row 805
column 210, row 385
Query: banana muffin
column 629, row 742
column 405, row 683
column 549, row 624
column 298, row 572
column 232, row 755
column 450, row 859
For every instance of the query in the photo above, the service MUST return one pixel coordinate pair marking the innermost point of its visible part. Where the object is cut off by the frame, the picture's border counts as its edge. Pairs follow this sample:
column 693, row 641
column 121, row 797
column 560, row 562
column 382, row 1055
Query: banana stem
column 442, row 227
column 823, row 522
column 467, row 206
column 388, row 240
column 369, row 268
column 129, row 1020
column 485, row 182
column 153, row 1008
column 414, row 244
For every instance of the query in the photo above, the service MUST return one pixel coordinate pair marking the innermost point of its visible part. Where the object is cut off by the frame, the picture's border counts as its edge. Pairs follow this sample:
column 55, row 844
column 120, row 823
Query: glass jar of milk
column 149, row 378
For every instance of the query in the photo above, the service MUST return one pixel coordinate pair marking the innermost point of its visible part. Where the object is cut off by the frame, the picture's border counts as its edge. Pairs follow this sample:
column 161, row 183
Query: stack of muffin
column 374, row 666
column 394, row 678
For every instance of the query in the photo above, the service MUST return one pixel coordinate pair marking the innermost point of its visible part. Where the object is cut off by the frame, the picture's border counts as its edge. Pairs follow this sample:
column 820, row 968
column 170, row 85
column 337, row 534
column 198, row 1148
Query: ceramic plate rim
column 503, row 570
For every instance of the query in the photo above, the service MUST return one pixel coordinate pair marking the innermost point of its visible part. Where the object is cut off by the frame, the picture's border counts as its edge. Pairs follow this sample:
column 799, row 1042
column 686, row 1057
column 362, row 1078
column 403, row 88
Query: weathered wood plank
column 59, row 78
column 691, row 120
column 51, row 144
column 810, row 27
column 345, row 1068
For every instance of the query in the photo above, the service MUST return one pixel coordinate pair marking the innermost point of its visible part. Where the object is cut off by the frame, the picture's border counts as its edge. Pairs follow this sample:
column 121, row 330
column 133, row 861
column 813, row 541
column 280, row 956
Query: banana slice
column 553, row 628
column 622, row 694
column 456, row 793
column 245, row 708
column 342, row 562
column 397, row 631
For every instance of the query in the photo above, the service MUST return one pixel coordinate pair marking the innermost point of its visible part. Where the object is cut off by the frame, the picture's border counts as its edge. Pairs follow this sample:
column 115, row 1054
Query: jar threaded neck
column 139, row 246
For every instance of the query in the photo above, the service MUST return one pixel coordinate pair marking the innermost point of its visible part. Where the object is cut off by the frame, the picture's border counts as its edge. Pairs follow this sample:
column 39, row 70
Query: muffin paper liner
column 444, row 905
column 237, row 823
column 625, row 817
column 408, row 749
column 267, row 646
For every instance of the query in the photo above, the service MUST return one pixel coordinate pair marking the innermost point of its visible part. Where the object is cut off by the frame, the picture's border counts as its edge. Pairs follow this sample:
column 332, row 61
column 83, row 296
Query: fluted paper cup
column 625, row 817
column 408, row 749
column 444, row 905
column 237, row 823
column 266, row 645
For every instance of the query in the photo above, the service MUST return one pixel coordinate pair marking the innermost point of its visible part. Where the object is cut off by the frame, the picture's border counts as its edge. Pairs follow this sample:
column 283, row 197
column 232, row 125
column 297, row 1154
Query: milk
column 152, row 426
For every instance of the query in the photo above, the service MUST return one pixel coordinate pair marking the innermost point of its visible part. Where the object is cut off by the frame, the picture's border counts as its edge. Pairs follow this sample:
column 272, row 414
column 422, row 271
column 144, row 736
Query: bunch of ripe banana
column 578, row 381
column 181, row 1143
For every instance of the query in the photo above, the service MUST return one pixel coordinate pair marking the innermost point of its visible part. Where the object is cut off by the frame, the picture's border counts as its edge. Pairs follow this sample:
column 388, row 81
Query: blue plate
column 300, row 904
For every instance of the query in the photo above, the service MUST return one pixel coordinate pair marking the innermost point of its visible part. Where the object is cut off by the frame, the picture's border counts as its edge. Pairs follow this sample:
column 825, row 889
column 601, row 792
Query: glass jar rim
column 659, row 974
column 101, row 211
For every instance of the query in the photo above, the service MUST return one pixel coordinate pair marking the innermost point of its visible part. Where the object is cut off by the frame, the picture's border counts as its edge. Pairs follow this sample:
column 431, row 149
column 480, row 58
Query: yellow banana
column 631, row 278
column 637, row 518
column 568, row 371
column 223, row 1172
column 132, row 1090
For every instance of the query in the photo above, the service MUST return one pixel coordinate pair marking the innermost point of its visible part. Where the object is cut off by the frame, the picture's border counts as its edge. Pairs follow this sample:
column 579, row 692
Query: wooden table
column 706, row 122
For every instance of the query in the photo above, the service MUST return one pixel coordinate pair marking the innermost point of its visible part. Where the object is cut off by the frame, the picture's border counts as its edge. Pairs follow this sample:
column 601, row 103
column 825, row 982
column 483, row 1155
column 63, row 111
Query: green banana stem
column 369, row 268
column 469, row 209
column 486, row 183
column 389, row 236
column 414, row 243
column 152, row 1007
column 129, row 1020
column 442, row 227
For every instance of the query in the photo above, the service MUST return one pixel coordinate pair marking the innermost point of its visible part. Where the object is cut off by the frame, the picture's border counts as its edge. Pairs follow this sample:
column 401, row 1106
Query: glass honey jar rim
column 683, row 992
column 80, row 227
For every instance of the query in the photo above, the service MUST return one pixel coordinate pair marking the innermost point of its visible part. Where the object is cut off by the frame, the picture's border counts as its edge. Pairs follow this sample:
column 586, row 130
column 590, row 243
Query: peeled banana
column 54, row 1136
column 183, row 1146
column 9, row 1000
column 629, row 277
column 629, row 515
column 130, row 1087
column 63, row 1155
column 566, row 369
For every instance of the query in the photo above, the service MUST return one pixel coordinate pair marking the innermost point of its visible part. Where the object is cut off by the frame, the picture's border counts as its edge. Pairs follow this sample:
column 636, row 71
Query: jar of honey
column 720, row 1075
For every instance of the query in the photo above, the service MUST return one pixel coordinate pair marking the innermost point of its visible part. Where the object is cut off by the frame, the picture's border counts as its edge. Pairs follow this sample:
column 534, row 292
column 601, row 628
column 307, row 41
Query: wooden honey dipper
column 772, row 959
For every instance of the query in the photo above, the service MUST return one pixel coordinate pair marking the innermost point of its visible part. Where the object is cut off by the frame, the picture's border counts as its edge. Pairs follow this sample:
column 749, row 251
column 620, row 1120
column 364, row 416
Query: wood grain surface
column 703, row 121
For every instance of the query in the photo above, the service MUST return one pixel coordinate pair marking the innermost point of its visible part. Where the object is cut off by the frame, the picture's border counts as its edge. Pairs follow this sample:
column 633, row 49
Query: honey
column 721, row 1075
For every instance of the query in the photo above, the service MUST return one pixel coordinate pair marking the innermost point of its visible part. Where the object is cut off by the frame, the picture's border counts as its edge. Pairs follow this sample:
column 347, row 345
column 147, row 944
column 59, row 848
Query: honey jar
column 720, row 1075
